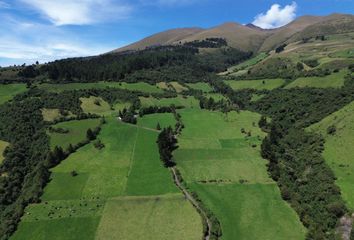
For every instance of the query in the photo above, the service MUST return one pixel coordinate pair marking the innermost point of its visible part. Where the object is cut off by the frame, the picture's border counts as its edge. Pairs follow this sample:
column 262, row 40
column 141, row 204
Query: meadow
column 96, row 105
column 8, row 91
column 261, row 84
column 205, row 87
column 53, row 114
column 338, row 148
column 151, row 120
column 3, row 145
column 335, row 80
column 219, row 159
column 121, row 191
column 140, row 86
column 76, row 132
column 188, row 102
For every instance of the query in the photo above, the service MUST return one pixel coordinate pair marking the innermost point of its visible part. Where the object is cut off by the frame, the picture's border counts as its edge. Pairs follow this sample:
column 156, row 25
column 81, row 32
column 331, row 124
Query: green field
column 267, row 84
column 188, row 102
column 151, row 120
column 241, row 68
column 96, row 105
column 215, row 96
column 338, row 149
column 51, row 115
column 8, row 91
column 205, row 87
column 141, row 86
column 224, row 167
column 3, row 145
column 335, row 80
column 122, row 191
column 77, row 132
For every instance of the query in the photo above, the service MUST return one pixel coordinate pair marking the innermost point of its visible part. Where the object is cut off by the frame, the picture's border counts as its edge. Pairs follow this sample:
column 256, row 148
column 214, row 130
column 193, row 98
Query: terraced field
column 219, row 159
column 8, row 91
column 140, row 86
column 338, row 148
column 120, row 191
column 335, row 80
column 267, row 84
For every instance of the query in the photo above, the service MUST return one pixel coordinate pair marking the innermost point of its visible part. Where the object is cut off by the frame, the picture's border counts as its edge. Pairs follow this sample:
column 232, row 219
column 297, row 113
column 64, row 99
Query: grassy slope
column 189, row 102
column 8, row 91
column 141, row 86
column 223, row 154
column 77, row 132
column 50, row 114
column 3, row 145
column 103, row 108
column 267, row 84
column 151, row 120
column 338, row 151
column 205, row 87
column 94, row 204
column 334, row 80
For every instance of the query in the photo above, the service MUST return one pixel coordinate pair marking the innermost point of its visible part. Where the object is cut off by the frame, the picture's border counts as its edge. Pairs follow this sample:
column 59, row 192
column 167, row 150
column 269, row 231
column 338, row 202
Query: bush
column 331, row 130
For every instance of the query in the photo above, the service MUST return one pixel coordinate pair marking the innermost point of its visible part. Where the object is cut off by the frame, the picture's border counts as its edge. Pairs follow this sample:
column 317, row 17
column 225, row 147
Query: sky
column 46, row 30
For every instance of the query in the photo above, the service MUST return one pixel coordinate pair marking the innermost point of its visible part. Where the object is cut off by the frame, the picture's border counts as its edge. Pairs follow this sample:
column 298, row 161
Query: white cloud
column 80, row 12
column 276, row 16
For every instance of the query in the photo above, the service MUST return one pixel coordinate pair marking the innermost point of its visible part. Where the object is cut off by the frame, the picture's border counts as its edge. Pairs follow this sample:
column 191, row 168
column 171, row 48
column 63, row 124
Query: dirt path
column 193, row 201
column 345, row 227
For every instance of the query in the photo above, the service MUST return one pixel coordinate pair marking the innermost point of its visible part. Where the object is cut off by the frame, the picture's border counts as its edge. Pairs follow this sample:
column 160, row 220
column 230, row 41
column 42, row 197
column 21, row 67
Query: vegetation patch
column 3, row 145
column 8, row 91
column 261, row 84
column 185, row 101
column 205, row 87
column 157, row 121
column 96, row 105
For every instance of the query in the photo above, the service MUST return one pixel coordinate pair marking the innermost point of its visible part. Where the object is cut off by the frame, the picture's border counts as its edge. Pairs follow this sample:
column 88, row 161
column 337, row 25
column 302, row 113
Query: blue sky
column 46, row 30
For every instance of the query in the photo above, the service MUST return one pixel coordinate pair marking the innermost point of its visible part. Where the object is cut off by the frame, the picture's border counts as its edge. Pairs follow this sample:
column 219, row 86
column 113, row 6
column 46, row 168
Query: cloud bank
column 80, row 12
column 276, row 16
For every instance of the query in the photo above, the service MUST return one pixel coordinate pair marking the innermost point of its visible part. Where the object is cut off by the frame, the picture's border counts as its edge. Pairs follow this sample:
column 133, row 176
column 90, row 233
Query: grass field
column 151, row 120
column 122, row 191
column 3, row 145
column 50, row 115
column 267, row 84
column 77, row 132
column 335, row 80
column 188, row 102
column 338, row 149
column 141, row 86
column 96, row 105
column 205, row 87
column 178, row 87
column 242, row 67
column 8, row 91
column 224, row 167
column 215, row 96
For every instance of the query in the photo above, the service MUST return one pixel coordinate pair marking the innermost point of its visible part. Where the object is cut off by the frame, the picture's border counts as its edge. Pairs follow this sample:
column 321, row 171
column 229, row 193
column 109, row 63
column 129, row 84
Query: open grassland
column 151, row 120
column 188, row 102
column 215, row 96
column 267, row 84
column 96, row 105
column 121, row 191
column 338, row 149
column 335, row 80
column 8, row 91
column 76, row 132
column 251, row 211
column 3, row 145
column 205, row 87
column 50, row 115
column 219, row 159
column 141, row 86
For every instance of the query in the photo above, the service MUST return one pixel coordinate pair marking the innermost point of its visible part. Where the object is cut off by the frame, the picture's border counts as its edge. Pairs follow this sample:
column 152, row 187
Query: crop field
column 8, row 91
column 219, row 158
column 205, row 87
column 188, row 102
column 267, row 84
column 338, row 149
column 151, row 120
column 76, row 132
column 140, row 86
column 335, row 80
column 96, row 105
column 3, row 145
column 121, row 191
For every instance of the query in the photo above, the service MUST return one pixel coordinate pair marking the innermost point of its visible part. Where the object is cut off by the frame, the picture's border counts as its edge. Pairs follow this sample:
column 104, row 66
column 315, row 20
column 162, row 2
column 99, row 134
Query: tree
column 167, row 143
column 158, row 127
column 90, row 135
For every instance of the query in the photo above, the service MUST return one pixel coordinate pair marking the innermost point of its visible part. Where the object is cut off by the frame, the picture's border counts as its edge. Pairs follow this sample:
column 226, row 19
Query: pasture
column 121, row 191
column 260, row 84
column 335, row 80
column 96, row 105
column 151, row 120
column 140, row 86
column 188, row 102
column 51, row 115
column 3, row 145
column 205, row 87
column 76, row 132
column 8, row 91
column 219, row 158
column 338, row 148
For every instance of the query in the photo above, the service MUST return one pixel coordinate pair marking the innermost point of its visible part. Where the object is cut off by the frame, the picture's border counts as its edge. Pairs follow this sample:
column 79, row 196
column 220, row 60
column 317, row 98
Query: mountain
column 250, row 37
